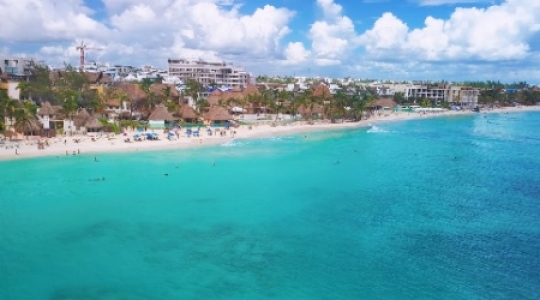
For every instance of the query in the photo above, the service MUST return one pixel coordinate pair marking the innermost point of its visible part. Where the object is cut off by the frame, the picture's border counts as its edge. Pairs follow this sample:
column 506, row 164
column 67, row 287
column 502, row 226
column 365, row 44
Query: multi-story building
column 466, row 97
column 17, row 67
column 209, row 73
column 14, row 70
column 437, row 93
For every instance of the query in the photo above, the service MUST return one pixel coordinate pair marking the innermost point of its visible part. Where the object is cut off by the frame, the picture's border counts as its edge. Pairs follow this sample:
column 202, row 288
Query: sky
column 453, row 40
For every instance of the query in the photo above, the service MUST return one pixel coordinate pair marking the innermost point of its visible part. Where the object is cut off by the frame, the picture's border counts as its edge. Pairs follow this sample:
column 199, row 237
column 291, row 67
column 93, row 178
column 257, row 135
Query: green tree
column 8, row 107
column 425, row 102
column 399, row 98
column 193, row 90
column 25, row 120
column 70, row 106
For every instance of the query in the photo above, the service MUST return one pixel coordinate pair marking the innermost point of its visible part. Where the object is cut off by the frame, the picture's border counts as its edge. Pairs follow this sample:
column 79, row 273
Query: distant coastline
column 84, row 145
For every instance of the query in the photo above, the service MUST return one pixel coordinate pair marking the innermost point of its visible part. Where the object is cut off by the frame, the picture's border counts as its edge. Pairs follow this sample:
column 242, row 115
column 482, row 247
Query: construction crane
column 83, row 47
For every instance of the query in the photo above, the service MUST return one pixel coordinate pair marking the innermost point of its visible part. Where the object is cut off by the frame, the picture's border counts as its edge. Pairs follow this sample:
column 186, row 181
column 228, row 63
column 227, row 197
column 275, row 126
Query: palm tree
column 252, row 99
column 359, row 101
column 281, row 96
column 24, row 89
column 308, row 100
column 24, row 120
column 8, row 106
column 193, row 90
column 70, row 106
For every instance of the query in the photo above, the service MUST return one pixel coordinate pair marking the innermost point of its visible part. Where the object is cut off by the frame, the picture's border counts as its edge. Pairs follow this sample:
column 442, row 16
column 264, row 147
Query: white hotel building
column 208, row 73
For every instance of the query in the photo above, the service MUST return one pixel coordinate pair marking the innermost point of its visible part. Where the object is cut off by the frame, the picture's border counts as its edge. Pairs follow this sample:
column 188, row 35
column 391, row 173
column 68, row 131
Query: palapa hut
column 93, row 125
column 308, row 112
column 234, row 98
column 214, row 98
column 323, row 92
column 80, row 119
column 159, row 118
column 30, row 127
column 217, row 115
column 384, row 104
column 46, row 115
column 187, row 114
column 167, row 91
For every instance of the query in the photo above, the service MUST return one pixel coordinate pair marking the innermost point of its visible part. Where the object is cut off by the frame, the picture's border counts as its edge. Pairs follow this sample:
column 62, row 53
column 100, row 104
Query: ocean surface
column 443, row 208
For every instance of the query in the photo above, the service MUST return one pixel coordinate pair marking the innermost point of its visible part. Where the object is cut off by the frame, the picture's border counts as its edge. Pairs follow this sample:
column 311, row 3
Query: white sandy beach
column 28, row 147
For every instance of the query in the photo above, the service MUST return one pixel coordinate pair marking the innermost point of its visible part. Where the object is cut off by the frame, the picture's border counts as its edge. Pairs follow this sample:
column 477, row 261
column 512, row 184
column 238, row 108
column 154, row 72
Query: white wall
column 12, row 91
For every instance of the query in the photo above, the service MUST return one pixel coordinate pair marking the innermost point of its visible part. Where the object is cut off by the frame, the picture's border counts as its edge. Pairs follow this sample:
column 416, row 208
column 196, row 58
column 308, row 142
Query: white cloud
column 388, row 32
column 36, row 20
column 470, row 37
column 448, row 2
column 499, row 32
column 151, row 32
column 296, row 53
column 137, row 32
column 334, row 36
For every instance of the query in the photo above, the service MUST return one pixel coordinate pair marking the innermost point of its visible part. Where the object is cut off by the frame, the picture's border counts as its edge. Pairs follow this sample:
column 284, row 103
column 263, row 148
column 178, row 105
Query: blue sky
column 386, row 39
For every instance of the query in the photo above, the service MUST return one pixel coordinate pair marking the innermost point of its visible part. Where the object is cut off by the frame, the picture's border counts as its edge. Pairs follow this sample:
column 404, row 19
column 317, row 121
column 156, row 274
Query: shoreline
column 27, row 148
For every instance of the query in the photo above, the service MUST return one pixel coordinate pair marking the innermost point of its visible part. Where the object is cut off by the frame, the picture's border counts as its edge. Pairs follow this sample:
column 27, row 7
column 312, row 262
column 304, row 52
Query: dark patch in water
column 480, row 262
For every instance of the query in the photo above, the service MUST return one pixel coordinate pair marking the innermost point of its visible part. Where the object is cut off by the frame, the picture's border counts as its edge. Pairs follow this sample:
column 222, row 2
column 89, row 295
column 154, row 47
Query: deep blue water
column 445, row 208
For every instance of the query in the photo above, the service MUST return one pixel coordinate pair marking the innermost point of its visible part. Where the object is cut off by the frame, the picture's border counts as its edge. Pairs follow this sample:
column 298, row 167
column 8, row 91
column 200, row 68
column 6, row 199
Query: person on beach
column 78, row 151
column 65, row 141
column 16, row 152
column 67, row 153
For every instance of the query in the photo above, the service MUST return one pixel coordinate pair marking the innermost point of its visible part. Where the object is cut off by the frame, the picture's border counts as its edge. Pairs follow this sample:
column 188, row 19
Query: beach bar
column 160, row 117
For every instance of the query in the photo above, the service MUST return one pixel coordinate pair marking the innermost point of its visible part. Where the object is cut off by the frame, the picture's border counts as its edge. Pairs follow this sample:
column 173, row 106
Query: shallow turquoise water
column 444, row 208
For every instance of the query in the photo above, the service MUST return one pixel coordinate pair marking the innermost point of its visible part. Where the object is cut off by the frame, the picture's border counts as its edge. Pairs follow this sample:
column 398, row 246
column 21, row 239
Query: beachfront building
column 80, row 120
column 469, row 97
column 437, row 93
column 209, row 73
column 160, row 117
column 46, row 115
column 466, row 97
column 187, row 114
column 217, row 115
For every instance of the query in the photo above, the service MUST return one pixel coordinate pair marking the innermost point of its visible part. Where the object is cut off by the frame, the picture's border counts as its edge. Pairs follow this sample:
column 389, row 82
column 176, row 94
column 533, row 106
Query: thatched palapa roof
column 81, row 118
column 133, row 91
column 33, row 125
column 113, row 103
column 214, row 97
column 161, row 113
column 187, row 112
column 161, row 89
column 46, row 109
column 218, row 96
column 322, row 91
column 317, row 109
column 93, row 123
column 217, row 113
column 385, row 102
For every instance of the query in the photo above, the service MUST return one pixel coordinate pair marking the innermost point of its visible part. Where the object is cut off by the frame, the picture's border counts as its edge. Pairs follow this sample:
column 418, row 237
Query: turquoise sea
column 443, row 208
